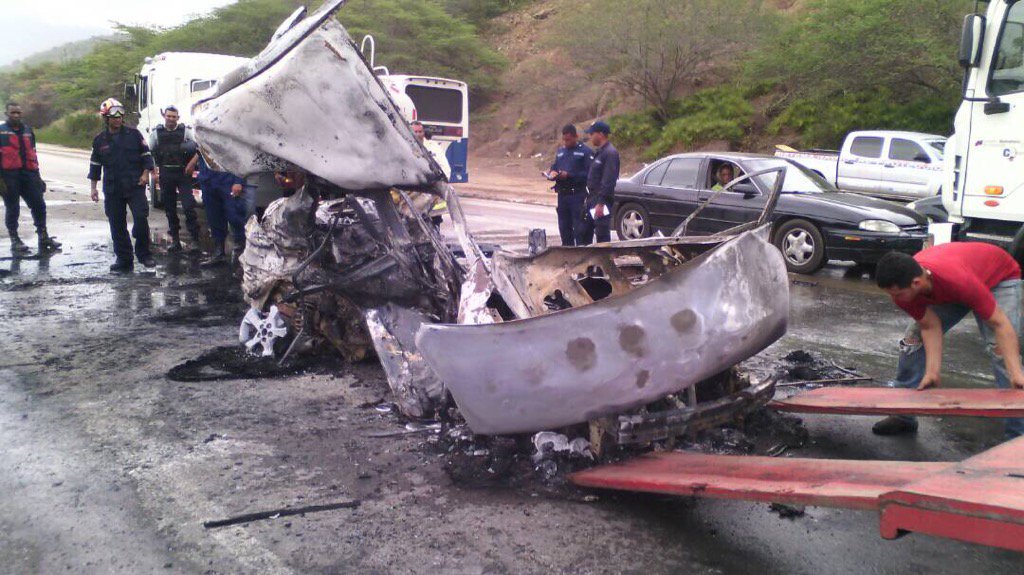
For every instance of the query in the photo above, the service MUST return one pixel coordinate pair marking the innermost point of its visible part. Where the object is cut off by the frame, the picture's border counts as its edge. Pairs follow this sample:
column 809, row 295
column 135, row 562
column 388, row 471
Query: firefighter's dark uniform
column 604, row 172
column 19, row 167
column 121, row 157
column 572, row 191
column 172, row 150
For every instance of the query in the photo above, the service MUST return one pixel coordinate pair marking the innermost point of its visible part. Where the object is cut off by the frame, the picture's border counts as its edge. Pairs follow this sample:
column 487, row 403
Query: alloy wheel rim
column 632, row 225
column 798, row 247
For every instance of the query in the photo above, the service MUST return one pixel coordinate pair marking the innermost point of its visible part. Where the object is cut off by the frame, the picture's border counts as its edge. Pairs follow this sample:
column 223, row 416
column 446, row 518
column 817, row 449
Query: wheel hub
column 633, row 225
column 259, row 331
column 799, row 246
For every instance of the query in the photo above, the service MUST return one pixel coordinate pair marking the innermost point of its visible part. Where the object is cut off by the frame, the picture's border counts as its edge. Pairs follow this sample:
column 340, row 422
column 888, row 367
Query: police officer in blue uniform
column 121, row 155
column 569, row 172
column 172, row 148
column 604, row 172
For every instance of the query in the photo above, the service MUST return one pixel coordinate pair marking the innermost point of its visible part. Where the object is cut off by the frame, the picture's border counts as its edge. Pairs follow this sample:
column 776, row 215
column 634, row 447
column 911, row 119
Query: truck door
column 860, row 164
column 992, row 153
column 907, row 171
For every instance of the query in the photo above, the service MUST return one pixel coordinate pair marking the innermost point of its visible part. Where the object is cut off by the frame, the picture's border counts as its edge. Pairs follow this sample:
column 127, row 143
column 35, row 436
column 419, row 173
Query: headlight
column 879, row 226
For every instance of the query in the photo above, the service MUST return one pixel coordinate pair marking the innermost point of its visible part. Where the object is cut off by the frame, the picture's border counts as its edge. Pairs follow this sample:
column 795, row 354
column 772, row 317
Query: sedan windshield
column 798, row 178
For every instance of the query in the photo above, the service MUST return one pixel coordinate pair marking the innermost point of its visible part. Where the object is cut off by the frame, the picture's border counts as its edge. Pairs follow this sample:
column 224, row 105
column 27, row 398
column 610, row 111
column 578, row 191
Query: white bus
column 440, row 104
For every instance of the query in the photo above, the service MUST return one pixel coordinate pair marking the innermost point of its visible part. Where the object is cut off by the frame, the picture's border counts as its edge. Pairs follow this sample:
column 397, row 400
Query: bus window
column 436, row 104
column 200, row 85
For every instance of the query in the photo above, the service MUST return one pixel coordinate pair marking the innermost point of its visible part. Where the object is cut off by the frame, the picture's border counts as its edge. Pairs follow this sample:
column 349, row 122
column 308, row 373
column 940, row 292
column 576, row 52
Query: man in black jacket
column 121, row 156
column 172, row 148
column 604, row 172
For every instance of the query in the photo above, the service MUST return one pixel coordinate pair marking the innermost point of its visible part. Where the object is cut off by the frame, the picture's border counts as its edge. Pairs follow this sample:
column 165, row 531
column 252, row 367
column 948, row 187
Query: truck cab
column 179, row 79
column 984, row 169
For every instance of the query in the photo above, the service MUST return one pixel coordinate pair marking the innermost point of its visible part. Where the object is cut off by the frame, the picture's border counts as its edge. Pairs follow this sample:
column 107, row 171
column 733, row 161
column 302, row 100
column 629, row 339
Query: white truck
column 984, row 170
column 905, row 165
column 175, row 78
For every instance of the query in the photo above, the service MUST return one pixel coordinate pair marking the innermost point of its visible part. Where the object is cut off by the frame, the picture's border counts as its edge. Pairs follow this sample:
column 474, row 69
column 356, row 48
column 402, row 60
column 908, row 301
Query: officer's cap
column 599, row 126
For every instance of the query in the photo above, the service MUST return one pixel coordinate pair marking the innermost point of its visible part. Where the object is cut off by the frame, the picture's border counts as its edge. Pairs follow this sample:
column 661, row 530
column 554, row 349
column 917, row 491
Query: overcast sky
column 31, row 26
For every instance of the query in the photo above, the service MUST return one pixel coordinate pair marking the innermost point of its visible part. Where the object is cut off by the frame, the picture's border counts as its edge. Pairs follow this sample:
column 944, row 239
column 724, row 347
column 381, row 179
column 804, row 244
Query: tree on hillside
column 845, row 65
column 836, row 46
column 419, row 37
column 654, row 48
column 478, row 12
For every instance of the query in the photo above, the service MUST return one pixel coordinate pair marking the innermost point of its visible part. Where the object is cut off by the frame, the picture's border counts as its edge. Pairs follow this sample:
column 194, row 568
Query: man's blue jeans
column 911, row 366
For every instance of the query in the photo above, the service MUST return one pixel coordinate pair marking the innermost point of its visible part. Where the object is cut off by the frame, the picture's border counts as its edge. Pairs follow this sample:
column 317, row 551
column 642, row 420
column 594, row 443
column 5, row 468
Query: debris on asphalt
column 276, row 513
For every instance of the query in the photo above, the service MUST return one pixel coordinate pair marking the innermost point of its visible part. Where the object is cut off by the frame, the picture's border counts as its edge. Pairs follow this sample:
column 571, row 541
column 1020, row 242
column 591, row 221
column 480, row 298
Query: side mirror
column 130, row 94
column 971, row 39
column 748, row 189
column 923, row 158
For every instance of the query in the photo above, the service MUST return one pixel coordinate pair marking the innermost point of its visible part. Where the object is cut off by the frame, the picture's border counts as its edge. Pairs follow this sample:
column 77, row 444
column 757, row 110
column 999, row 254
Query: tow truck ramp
column 979, row 500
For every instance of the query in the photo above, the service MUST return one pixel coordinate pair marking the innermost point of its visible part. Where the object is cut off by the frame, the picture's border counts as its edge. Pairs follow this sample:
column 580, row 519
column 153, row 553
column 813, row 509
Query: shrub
column 75, row 130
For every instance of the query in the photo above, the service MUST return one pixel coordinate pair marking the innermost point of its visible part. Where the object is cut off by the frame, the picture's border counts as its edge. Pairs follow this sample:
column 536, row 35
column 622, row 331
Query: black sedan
column 812, row 223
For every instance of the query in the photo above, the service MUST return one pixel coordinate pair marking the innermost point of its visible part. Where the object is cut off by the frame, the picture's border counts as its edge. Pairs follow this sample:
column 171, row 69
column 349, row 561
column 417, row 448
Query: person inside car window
column 723, row 175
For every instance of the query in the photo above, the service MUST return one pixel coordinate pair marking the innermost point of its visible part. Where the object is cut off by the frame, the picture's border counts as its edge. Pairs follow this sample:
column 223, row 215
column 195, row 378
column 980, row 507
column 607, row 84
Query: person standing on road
column 569, row 172
column 938, row 287
column 172, row 147
column 121, row 155
column 604, row 172
column 19, row 167
column 225, row 205
column 440, row 205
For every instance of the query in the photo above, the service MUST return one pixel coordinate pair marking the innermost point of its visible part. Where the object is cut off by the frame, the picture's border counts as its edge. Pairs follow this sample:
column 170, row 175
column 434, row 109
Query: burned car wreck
column 522, row 343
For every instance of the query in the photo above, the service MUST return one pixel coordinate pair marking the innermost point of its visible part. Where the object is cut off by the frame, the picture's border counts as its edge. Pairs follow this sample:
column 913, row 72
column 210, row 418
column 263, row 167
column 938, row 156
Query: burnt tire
column 802, row 246
column 633, row 222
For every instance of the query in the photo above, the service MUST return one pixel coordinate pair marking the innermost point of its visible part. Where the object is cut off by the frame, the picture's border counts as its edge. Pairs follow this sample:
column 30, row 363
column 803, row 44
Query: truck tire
column 802, row 246
column 632, row 222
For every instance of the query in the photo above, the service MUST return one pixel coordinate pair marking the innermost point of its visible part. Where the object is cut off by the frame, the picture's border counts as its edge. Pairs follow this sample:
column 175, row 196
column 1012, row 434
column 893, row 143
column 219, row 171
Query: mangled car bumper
column 620, row 353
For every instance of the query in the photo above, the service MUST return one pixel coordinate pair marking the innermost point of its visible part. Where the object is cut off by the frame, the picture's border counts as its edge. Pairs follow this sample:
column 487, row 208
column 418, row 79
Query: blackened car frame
column 812, row 223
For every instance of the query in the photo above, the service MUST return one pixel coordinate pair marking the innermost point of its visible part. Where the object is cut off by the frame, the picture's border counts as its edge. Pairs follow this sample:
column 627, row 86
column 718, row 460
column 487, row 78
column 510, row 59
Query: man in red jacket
column 938, row 287
column 19, row 167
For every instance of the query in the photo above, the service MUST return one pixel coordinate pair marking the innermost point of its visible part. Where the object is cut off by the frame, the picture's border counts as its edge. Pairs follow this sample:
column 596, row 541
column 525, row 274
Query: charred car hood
column 310, row 100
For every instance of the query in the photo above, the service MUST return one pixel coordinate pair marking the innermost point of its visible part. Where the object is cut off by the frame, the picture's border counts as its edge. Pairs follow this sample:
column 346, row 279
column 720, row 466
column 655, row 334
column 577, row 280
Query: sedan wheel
column 633, row 222
column 802, row 246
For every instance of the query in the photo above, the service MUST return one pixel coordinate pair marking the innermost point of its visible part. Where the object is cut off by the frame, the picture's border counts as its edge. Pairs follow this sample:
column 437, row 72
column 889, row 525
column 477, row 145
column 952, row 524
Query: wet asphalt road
column 108, row 467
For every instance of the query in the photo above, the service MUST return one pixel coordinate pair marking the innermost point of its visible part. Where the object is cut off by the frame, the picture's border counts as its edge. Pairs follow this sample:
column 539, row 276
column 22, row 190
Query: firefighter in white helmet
column 120, row 155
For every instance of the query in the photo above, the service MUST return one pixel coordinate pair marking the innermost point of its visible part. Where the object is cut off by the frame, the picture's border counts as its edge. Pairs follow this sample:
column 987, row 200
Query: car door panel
column 675, row 197
column 730, row 208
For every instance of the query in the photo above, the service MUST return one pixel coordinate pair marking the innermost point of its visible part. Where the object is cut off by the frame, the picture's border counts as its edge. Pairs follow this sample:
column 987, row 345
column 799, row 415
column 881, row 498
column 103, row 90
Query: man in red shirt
column 938, row 287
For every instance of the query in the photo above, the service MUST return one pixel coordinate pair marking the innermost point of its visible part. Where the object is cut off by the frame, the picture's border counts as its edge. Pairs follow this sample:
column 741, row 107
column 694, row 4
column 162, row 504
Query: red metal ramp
column 980, row 500
column 815, row 482
column 892, row 401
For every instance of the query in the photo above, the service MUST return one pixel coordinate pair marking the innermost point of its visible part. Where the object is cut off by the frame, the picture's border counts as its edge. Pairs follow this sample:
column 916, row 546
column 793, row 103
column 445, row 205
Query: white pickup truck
column 904, row 165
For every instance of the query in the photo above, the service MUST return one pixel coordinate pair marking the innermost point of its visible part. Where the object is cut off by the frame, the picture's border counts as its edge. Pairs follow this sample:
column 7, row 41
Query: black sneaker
column 121, row 267
column 147, row 261
column 895, row 425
